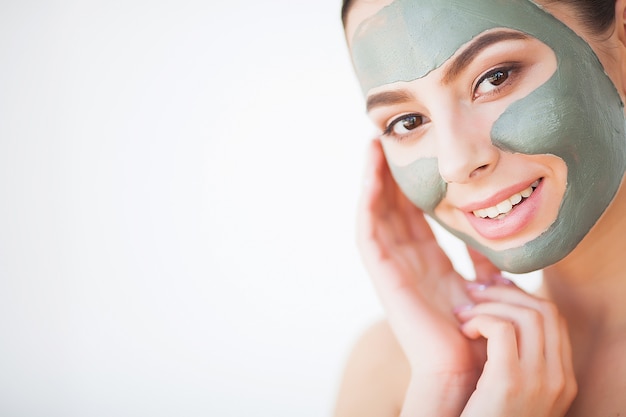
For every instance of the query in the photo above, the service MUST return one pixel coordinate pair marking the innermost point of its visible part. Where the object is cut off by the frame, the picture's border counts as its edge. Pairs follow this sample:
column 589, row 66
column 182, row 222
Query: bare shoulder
column 376, row 376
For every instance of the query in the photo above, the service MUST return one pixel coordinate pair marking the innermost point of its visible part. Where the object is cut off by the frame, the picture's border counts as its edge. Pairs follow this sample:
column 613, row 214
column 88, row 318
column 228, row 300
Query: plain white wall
column 178, row 181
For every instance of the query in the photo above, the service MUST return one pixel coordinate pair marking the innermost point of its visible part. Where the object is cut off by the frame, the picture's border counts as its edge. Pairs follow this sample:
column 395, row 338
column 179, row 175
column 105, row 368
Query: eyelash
column 389, row 131
column 509, row 69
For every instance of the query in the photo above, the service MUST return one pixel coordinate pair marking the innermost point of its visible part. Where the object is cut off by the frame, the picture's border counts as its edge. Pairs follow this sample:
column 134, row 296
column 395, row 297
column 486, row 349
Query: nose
column 465, row 152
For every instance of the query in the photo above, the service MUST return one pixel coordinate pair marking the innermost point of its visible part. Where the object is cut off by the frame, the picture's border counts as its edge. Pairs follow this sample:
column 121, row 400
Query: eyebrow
column 457, row 65
column 388, row 98
column 473, row 49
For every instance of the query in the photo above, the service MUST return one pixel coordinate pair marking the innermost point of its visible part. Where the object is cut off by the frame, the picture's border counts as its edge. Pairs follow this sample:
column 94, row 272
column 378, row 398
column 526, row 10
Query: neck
column 589, row 285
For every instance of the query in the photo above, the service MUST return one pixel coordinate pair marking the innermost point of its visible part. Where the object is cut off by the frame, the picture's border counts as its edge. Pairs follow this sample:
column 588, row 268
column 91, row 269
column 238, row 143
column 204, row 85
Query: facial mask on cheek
column 583, row 124
column 421, row 183
column 576, row 115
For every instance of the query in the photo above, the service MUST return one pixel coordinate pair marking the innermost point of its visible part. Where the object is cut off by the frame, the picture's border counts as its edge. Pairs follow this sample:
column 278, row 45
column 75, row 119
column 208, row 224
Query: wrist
column 437, row 395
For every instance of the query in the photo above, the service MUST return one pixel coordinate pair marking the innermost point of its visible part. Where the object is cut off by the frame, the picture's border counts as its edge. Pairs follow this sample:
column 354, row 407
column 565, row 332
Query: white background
column 178, row 182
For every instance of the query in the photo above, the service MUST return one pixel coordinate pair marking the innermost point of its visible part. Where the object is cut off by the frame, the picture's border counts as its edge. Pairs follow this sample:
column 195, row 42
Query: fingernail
column 474, row 286
column 462, row 308
column 501, row 280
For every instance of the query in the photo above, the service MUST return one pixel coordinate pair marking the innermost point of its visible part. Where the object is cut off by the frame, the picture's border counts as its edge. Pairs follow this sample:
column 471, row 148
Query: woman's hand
column 419, row 290
column 529, row 368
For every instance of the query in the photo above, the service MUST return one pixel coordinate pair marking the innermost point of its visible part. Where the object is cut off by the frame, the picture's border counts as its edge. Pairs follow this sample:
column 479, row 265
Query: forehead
column 361, row 10
column 418, row 36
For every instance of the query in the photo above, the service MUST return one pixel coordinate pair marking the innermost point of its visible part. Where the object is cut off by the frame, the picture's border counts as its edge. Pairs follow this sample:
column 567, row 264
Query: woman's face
column 498, row 121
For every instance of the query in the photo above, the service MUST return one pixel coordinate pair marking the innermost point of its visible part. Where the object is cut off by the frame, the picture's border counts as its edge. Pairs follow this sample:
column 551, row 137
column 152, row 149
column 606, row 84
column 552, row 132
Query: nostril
column 479, row 169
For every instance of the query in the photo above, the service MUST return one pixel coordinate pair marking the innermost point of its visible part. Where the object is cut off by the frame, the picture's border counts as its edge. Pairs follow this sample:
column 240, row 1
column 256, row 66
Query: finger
column 504, row 291
column 380, row 206
column 568, row 365
column 399, row 209
column 554, row 369
column 370, row 202
column 529, row 326
column 383, row 173
column 384, row 227
column 502, row 353
column 410, row 217
column 419, row 229
column 566, row 348
column 557, row 350
column 392, row 192
column 373, row 184
column 484, row 269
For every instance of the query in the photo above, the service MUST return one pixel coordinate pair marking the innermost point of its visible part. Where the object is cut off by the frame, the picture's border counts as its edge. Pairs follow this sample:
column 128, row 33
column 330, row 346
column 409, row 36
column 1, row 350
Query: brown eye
column 404, row 124
column 497, row 77
column 491, row 81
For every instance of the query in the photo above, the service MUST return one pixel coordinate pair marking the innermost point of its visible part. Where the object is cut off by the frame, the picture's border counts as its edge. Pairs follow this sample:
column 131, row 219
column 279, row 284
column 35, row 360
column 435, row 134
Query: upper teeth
column 507, row 205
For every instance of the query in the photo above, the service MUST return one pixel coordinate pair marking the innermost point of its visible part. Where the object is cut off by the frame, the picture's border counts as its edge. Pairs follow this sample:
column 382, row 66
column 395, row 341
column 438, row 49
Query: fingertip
column 373, row 164
column 469, row 331
column 375, row 150
column 500, row 279
column 461, row 308
column 370, row 172
column 476, row 286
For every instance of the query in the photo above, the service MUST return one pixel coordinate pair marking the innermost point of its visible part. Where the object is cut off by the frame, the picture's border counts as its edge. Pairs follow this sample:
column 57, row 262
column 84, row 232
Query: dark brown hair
column 596, row 15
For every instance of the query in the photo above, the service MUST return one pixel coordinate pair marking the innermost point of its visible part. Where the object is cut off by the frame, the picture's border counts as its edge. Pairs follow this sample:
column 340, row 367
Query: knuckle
column 562, row 388
column 548, row 308
column 557, row 385
column 532, row 317
column 504, row 327
column 511, row 385
column 571, row 391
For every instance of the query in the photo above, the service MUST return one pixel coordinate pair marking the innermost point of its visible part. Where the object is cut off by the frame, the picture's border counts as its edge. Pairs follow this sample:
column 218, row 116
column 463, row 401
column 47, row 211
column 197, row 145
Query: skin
column 429, row 358
column 545, row 111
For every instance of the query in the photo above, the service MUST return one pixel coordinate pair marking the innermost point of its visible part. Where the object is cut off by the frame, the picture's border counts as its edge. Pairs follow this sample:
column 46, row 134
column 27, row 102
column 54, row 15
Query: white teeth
column 527, row 192
column 481, row 213
column 516, row 198
column 507, row 205
column 492, row 212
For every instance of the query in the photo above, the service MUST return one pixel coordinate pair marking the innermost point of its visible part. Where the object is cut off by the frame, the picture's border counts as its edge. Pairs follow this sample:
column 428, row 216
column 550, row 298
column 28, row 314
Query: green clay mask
column 576, row 115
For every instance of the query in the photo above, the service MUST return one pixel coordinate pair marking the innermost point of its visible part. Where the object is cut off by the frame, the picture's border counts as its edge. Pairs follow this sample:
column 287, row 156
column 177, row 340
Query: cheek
column 414, row 167
column 409, row 150
column 420, row 182
column 414, row 163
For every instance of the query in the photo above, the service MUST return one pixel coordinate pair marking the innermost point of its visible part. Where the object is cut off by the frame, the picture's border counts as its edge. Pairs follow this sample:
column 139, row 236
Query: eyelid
column 513, row 68
column 389, row 132
column 504, row 66
column 391, row 123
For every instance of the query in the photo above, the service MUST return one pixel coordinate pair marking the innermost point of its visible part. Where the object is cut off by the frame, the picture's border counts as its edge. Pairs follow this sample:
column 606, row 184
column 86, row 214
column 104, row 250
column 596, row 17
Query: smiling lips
column 511, row 215
column 501, row 209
